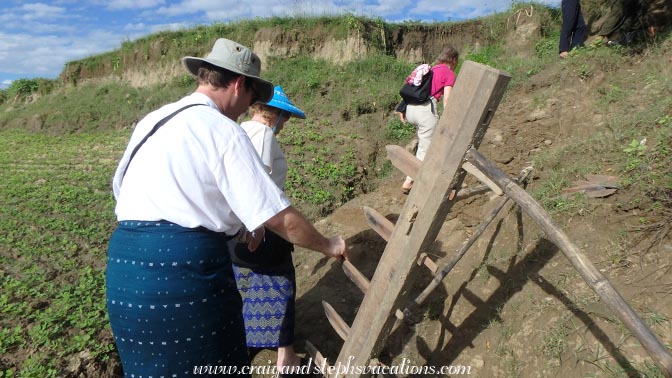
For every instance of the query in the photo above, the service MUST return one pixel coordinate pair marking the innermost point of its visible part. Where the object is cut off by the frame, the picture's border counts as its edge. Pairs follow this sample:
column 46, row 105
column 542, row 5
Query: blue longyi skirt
column 172, row 300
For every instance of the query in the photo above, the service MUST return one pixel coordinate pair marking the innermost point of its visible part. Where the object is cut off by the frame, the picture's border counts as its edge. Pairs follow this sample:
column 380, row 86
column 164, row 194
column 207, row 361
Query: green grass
column 555, row 342
column 57, row 214
column 399, row 131
column 633, row 144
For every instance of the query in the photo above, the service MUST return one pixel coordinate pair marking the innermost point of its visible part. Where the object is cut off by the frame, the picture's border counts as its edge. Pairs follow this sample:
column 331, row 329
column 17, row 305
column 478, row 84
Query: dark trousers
column 573, row 32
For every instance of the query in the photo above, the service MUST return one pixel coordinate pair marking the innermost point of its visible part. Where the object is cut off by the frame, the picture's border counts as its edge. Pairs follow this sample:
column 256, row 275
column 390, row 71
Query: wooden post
column 472, row 103
column 581, row 263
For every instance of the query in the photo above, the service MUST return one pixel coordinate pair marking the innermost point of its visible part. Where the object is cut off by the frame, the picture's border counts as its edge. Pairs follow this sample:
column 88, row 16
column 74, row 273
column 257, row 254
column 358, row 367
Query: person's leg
column 425, row 117
column 579, row 35
column 428, row 118
column 569, row 11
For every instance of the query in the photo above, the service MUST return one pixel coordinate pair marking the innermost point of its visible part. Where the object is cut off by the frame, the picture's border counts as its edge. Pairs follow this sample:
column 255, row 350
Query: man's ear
column 239, row 84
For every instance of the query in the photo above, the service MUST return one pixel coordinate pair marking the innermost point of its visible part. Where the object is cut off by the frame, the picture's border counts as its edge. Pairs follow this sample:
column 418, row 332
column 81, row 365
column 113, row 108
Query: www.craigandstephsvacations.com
column 340, row 369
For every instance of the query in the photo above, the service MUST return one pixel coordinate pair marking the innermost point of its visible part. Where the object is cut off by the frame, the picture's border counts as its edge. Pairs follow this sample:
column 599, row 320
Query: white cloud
column 48, row 54
column 133, row 4
column 40, row 10
column 5, row 84
column 231, row 10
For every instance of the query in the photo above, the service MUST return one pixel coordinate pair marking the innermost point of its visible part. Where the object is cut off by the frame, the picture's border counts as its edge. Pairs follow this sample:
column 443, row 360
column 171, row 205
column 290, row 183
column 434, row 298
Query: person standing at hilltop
column 188, row 181
column 573, row 31
column 425, row 116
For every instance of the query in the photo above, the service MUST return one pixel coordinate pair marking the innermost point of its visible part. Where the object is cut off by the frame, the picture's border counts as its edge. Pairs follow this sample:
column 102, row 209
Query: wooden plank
column 470, row 108
column 408, row 164
column 403, row 160
column 425, row 260
column 467, row 166
column 596, row 280
column 355, row 276
column 468, row 192
column 378, row 223
column 336, row 321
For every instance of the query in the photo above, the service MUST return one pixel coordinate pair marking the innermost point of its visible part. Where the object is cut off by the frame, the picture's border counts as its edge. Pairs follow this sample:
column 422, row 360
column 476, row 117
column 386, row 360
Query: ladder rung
column 318, row 358
column 425, row 260
column 468, row 192
column 403, row 160
column 355, row 276
column 378, row 223
column 472, row 170
column 336, row 320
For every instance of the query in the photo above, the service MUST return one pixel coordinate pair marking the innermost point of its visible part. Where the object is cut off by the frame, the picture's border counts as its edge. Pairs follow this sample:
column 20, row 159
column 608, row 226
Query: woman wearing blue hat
column 266, row 277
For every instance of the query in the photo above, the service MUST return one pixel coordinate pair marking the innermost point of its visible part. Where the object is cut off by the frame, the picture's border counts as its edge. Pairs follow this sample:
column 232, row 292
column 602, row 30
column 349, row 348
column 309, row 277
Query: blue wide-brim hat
column 281, row 101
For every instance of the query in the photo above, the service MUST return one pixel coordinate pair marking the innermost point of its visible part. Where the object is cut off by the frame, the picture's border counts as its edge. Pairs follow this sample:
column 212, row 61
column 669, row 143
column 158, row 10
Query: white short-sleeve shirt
column 199, row 169
column 269, row 150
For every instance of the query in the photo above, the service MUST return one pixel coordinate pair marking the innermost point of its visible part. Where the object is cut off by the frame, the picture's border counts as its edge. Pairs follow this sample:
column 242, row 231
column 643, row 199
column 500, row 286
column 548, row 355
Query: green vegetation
column 56, row 207
column 20, row 90
column 56, row 217
column 633, row 144
column 318, row 176
column 397, row 130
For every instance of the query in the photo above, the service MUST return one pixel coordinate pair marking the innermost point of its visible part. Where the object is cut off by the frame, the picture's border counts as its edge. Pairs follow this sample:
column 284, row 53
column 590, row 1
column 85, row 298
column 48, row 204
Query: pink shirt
column 442, row 76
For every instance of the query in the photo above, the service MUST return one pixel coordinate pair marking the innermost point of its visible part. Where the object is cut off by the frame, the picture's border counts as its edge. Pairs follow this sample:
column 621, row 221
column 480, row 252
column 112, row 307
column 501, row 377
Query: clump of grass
column 555, row 342
column 22, row 89
column 399, row 131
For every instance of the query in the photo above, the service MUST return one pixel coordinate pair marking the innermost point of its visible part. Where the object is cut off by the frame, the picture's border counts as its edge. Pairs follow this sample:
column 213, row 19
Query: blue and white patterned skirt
column 268, row 304
column 172, row 300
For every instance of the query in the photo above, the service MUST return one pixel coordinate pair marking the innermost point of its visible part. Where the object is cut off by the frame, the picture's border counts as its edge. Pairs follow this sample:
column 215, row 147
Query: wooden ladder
column 451, row 156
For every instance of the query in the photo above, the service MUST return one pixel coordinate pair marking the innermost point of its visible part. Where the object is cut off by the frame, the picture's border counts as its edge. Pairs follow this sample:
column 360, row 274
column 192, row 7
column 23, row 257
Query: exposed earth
column 513, row 306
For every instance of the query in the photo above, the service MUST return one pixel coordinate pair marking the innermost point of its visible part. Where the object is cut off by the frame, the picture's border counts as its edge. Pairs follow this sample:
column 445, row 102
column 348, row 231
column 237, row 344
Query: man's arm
column 293, row 226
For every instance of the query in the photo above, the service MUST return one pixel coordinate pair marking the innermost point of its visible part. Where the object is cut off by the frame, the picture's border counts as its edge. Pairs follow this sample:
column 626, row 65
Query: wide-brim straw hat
column 234, row 57
column 281, row 101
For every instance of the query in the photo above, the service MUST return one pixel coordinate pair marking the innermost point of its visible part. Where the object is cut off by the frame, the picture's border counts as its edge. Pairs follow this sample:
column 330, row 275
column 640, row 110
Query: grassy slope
column 56, row 208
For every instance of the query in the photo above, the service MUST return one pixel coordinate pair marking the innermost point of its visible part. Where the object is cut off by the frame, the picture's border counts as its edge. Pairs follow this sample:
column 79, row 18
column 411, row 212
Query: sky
column 37, row 38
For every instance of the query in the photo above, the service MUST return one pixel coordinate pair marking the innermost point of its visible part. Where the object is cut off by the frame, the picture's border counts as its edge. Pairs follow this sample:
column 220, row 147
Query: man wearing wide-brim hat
column 188, row 181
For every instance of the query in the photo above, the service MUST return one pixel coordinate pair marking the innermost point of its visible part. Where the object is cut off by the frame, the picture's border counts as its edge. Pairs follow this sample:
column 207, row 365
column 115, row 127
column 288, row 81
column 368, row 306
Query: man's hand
column 337, row 248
